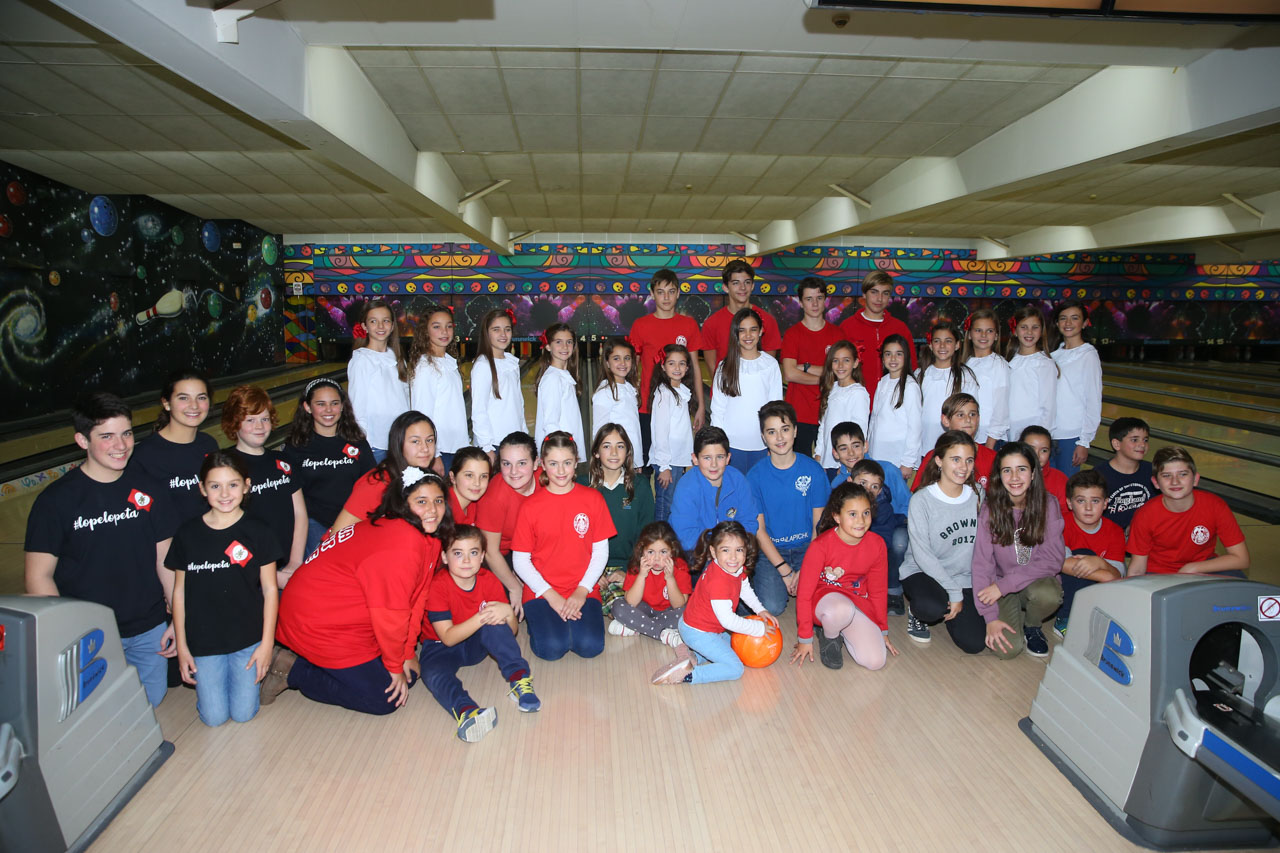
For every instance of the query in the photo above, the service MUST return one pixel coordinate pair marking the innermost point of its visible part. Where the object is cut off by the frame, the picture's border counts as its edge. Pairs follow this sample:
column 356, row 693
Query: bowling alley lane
column 1203, row 402
column 1239, row 438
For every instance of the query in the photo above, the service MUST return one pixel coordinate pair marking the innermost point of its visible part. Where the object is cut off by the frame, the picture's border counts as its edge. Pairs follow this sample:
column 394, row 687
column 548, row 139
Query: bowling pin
column 170, row 305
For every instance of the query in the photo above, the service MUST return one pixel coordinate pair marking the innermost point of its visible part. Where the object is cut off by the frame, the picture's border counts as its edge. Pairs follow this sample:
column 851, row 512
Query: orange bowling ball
column 758, row 652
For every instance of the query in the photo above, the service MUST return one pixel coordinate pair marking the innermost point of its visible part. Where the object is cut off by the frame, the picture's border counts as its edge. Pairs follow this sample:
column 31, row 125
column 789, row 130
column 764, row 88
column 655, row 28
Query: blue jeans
column 897, row 550
column 767, row 581
column 360, row 688
column 663, row 495
column 743, row 460
column 1060, row 455
column 315, row 535
column 142, row 652
column 225, row 690
column 440, row 664
column 551, row 638
column 717, row 661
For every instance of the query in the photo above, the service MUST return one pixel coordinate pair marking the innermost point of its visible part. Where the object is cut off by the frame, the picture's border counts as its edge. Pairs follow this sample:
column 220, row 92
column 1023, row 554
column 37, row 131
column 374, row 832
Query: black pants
column 646, row 433
column 929, row 603
column 806, row 435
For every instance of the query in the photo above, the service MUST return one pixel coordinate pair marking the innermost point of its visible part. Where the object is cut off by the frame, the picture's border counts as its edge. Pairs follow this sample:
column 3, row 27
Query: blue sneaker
column 1037, row 645
column 1060, row 627
column 476, row 723
column 522, row 694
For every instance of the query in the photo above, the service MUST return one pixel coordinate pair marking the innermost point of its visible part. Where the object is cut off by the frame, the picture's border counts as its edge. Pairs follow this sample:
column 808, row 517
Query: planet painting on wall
column 16, row 193
column 149, row 226
column 103, row 216
column 270, row 254
column 210, row 236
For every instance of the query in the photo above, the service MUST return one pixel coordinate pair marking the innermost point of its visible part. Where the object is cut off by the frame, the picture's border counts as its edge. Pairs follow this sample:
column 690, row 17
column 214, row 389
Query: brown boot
column 276, row 680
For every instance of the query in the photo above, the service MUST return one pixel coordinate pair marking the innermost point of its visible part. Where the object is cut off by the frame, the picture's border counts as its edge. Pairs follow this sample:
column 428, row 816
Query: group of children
column 426, row 550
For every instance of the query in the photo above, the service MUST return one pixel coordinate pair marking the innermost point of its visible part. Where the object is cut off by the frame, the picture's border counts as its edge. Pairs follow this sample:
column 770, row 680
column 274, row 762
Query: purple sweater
column 998, row 564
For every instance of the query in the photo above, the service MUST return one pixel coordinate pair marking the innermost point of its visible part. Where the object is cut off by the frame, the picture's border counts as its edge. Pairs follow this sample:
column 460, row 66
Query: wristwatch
column 805, row 368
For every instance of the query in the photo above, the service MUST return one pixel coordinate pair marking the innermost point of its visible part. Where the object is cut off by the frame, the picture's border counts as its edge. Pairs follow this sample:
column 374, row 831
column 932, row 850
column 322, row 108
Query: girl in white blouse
column 1079, row 389
column 497, row 402
column 992, row 371
column 557, row 387
column 617, row 399
column 377, row 377
column 841, row 397
column 435, row 385
column 744, row 381
column 1033, row 377
column 671, row 449
column 895, row 412
column 941, row 374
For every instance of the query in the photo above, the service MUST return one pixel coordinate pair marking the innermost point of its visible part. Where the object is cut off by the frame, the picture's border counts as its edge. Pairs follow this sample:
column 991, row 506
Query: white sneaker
column 671, row 636
column 619, row 630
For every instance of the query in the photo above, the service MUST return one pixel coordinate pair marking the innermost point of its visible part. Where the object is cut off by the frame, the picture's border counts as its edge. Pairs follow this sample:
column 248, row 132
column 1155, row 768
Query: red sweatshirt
column 868, row 336
column 858, row 572
column 362, row 595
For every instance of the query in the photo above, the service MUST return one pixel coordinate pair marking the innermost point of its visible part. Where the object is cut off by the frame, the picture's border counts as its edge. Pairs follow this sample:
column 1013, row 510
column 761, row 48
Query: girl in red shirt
column 844, row 586
column 657, row 586
column 413, row 444
column 727, row 553
column 350, row 616
column 559, row 550
column 499, row 510
column 468, row 481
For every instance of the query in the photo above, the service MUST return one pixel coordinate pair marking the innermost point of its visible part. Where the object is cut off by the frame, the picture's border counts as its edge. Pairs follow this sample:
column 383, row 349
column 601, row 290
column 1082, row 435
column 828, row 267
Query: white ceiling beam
column 1118, row 115
column 317, row 96
column 1146, row 227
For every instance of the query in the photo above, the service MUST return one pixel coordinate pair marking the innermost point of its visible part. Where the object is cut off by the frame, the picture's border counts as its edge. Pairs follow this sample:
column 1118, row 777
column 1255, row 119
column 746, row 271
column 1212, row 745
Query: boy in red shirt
column 1040, row 440
column 1095, row 544
column 650, row 333
column 497, row 511
column 868, row 328
column 739, row 279
column 1176, row 533
column 467, row 620
column 804, row 355
column 960, row 411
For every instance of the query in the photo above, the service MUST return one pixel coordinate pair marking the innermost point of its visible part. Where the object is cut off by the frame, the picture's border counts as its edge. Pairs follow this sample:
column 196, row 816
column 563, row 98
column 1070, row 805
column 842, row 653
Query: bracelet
column 779, row 565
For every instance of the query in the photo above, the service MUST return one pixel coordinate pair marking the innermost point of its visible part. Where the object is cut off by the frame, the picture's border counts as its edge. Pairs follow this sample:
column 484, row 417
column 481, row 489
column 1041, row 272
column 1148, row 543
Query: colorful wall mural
column 601, row 290
column 114, row 291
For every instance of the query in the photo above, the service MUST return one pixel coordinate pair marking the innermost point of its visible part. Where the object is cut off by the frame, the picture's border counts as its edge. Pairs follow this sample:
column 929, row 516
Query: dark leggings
column 360, row 688
column 929, row 603
column 551, row 637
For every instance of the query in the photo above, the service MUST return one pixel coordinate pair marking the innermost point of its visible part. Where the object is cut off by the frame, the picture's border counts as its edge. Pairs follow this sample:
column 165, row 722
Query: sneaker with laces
column 675, row 672
column 522, row 694
column 619, row 630
column 1060, row 627
column 276, row 680
column 830, row 649
column 1037, row 645
column 897, row 606
column 476, row 723
column 671, row 637
column 916, row 629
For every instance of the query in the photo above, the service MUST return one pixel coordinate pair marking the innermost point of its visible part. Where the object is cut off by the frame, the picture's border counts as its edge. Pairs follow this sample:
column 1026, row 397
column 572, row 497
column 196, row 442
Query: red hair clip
column 358, row 331
column 967, row 322
column 928, row 337
column 1013, row 325
column 543, row 338
column 511, row 315
column 448, row 308
column 659, row 357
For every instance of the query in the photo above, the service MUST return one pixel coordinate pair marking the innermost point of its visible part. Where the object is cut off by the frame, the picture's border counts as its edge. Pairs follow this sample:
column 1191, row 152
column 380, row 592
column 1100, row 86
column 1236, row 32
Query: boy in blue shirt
column 711, row 491
column 791, row 491
column 849, row 446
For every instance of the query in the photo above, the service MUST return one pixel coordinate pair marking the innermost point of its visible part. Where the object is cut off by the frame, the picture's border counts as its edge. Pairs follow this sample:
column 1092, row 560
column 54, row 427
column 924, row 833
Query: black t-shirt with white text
column 1126, row 493
column 223, row 583
column 176, row 466
column 328, row 467
column 104, row 536
column 271, row 488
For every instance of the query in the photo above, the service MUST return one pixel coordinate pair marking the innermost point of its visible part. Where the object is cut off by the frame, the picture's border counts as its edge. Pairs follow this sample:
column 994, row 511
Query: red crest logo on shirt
column 1200, row 534
column 140, row 500
column 284, row 466
column 682, row 340
column 351, row 451
column 238, row 554
column 581, row 524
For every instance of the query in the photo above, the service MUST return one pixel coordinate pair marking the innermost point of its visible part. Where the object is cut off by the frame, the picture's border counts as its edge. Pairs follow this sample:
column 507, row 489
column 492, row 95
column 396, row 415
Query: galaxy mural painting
column 114, row 291
column 600, row 290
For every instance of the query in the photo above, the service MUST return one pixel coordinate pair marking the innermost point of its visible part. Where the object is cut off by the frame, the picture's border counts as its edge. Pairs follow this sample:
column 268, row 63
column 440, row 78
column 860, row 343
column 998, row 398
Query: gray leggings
column 643, row 619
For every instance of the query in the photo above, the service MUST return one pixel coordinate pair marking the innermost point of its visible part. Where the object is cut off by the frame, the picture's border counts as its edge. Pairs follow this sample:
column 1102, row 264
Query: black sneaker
column 917, row 630
column 830, row 651
column 1037, row 645
column 896, row 605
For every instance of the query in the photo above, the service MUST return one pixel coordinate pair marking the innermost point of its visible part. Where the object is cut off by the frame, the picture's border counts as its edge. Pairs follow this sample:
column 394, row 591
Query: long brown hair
column 557, row 439
column 655, row 531
column 304, row 427
column 713, row 537
column 422, row 340
column 949, row 439
column 966, row 349
column 1026, row 312
column 393, row 342
column 606, row 352
column 906, row 366
column 828, row 380
column 958, row 369
column 596, row 467
column 729, row 367
column 170, row 382
column 1030, row 531
column 484, row 349
column 544, row 361
column 846, row 491
column 660, row 379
